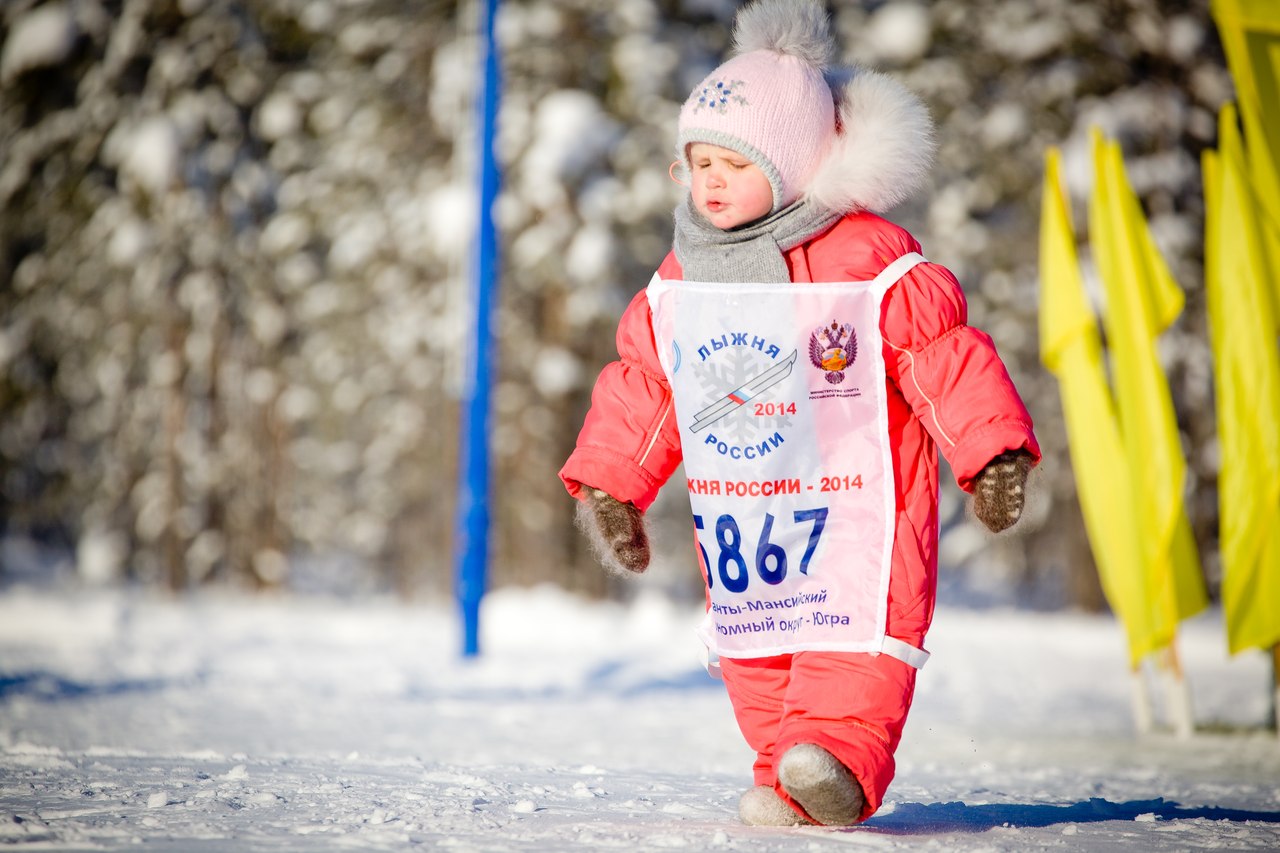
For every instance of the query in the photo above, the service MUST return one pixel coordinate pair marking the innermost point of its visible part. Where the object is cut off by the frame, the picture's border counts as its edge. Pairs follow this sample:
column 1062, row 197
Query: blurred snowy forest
column 234, row 249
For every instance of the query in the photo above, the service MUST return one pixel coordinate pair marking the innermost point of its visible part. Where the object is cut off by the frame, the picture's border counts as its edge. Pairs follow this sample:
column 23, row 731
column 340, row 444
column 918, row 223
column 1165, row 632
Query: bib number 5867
column 770, row 561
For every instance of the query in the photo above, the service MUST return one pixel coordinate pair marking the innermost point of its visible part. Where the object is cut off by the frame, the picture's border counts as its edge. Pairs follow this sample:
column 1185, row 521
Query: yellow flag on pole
column 1071, row 349
column 1250, row 32
column 1142, row 300
column 1242, row 326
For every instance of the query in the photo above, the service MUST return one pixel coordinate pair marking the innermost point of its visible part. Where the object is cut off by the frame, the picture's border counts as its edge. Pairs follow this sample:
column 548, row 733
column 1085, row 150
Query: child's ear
column 679, row 172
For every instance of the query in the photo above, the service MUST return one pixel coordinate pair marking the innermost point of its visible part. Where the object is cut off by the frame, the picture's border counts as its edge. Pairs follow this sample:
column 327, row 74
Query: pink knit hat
column 771, row 102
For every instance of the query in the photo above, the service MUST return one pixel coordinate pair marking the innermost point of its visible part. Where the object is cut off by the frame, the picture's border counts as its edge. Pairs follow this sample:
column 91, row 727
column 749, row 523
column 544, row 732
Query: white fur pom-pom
column 798, row 28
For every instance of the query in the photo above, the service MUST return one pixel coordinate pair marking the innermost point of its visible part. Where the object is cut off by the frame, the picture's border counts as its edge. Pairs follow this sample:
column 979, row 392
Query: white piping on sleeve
column 656, row 433
column 933, row 408
column 886, row 279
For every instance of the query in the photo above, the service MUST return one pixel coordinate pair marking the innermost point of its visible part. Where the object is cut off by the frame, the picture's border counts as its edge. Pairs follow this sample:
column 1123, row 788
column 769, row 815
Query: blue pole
column 471, row 550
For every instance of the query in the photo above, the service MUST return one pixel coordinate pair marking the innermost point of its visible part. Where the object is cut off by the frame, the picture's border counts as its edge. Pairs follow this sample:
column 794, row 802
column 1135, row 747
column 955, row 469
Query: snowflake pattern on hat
column 716, row 96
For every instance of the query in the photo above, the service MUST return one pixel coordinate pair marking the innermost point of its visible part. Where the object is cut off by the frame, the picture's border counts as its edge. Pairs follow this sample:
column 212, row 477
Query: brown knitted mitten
column 1000, row 490
column 616, row 531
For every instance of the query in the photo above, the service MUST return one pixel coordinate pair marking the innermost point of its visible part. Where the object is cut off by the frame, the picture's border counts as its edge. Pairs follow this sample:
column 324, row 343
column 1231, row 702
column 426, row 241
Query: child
column 805, row 363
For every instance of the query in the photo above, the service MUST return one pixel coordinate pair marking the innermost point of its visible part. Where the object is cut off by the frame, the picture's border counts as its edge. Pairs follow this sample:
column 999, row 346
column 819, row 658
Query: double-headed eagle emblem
column 832, row 349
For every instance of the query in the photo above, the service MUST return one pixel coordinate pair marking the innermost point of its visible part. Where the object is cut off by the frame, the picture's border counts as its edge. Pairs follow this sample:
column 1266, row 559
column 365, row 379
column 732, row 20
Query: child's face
column 728, row 189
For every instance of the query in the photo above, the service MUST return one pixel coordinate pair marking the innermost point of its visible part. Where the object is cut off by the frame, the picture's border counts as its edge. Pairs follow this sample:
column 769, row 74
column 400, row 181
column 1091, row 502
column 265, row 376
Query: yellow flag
column 1142, row 299
column 1071, row 349
column 1243, row 330
column 1250, row 31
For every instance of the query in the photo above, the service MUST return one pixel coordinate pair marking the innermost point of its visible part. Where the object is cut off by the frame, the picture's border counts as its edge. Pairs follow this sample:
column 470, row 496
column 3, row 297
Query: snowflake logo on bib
column 832, row 349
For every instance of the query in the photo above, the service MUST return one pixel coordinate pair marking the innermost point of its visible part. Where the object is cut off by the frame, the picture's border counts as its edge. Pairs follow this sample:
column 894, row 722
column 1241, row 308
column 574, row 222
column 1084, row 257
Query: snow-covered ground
column 235, row 723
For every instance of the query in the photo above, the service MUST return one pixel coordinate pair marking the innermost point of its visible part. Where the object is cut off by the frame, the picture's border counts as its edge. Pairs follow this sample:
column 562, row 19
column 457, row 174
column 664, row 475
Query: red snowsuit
column 947, row 389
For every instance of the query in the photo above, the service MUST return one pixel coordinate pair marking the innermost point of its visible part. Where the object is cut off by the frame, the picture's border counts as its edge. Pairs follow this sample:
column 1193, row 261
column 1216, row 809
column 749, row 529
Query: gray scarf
column 751, row 253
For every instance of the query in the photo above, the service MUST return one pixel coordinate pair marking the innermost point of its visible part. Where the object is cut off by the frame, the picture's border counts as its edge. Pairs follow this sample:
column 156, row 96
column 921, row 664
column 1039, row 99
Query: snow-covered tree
column 234, row 254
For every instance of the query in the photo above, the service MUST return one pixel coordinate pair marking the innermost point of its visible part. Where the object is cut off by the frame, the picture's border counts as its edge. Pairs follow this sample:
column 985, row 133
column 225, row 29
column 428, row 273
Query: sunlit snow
column 231, row 723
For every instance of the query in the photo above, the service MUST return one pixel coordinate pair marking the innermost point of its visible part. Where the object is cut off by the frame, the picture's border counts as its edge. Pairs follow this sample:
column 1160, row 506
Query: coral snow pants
column 853, row 705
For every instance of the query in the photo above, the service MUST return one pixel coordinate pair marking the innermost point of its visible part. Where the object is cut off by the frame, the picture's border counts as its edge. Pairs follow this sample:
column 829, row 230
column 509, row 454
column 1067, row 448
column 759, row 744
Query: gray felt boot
column 761, row 806
column 824, row 787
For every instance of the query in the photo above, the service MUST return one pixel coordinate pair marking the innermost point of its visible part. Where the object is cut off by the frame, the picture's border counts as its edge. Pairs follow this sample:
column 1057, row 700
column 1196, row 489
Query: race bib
column 780, row 401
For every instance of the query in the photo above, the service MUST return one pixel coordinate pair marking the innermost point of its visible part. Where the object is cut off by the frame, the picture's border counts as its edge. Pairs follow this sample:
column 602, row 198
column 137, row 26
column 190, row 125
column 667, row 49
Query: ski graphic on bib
column 731, row 401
